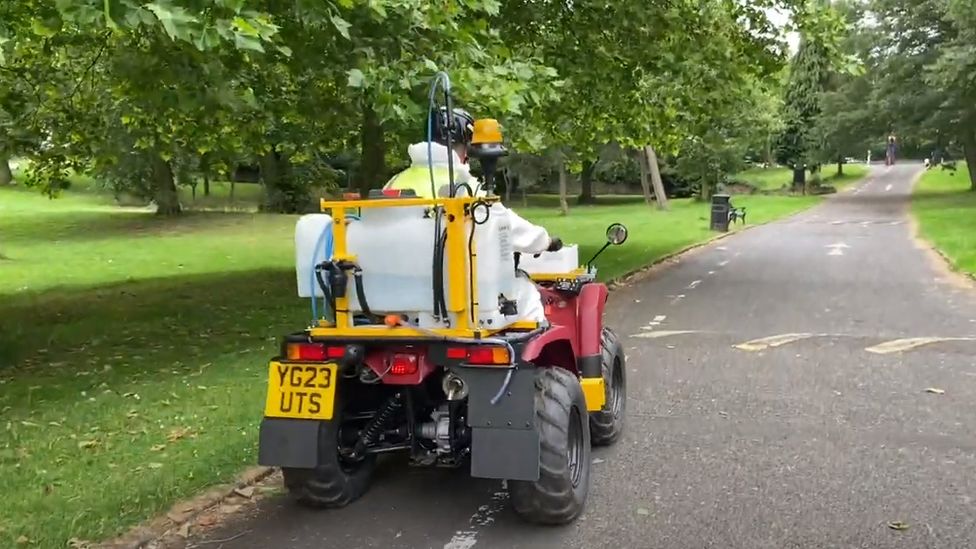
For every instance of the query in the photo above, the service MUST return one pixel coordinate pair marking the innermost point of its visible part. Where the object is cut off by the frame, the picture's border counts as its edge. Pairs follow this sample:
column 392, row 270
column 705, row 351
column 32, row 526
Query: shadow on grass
column 166, row 318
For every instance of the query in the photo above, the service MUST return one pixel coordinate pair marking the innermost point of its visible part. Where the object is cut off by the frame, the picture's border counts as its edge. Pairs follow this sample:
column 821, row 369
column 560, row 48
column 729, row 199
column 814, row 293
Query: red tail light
column 403, row 364
column 481, row 355
column 314, row 351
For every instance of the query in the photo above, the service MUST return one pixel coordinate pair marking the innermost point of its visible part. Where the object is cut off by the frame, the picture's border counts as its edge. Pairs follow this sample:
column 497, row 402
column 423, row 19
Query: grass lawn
column 946, row 212
column 133, row 349
column 776, row 178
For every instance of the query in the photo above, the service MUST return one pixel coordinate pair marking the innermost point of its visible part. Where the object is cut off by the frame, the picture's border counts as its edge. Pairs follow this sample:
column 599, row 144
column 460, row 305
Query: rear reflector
column 481, row 355
column 403, row 364
column 313, row 351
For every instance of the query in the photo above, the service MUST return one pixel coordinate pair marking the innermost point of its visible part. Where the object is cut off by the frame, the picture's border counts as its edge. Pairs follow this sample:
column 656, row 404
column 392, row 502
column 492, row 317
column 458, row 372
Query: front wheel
column 336, row 481
column 561, row 420
column 607, row 424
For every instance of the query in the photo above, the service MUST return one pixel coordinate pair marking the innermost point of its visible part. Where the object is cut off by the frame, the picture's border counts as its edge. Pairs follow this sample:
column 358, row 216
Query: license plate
column 301, row 391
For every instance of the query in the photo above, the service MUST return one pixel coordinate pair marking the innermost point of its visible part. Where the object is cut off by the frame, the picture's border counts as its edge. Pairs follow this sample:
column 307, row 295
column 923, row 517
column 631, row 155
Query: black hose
column 361, row 292
column 439, row 267
column 326, row 288
column 437, row 274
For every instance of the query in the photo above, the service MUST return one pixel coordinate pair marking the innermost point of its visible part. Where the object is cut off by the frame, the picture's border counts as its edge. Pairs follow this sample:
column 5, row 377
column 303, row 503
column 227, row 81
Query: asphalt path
column 778, row 397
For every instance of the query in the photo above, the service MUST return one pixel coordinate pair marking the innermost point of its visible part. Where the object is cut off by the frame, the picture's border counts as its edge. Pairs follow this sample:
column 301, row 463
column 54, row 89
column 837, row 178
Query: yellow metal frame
column 556, row 277
column 461, row 299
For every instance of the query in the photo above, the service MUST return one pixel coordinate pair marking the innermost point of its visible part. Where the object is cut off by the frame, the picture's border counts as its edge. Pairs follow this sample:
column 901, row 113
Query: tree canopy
column 149, row 95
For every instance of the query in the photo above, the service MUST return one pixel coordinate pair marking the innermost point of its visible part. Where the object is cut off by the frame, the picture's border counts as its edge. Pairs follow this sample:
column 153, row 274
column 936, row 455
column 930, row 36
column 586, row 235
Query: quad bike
column 456, row 385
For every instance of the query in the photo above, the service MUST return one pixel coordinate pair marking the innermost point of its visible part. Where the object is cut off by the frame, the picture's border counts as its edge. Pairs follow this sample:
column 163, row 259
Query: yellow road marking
column 908, row 343
column 771, row 341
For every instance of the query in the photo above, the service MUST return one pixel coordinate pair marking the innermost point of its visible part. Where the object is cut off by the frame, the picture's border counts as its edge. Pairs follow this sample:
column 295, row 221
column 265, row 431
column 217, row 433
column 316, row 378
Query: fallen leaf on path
column 935, row 391
column 897, row 525
column 184, row 531
column 597, row 461
column 207, row 520
column 245, row 492
column 643, row 512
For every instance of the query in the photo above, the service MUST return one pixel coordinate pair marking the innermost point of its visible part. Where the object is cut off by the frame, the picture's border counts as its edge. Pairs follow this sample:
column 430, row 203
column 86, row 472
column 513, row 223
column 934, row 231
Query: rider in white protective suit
column 526, row 237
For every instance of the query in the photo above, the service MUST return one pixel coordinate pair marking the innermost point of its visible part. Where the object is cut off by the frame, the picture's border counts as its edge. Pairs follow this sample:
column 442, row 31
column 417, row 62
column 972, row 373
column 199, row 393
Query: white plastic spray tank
column 394, row 247
column 313, row 245
column 496, row 265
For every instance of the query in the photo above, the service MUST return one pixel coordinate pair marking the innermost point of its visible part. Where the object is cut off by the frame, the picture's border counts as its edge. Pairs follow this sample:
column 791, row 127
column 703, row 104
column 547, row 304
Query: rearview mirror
column 616, row 234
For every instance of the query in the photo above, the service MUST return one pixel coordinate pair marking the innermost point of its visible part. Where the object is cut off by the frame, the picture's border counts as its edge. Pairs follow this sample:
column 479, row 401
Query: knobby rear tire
column 558, row 497
column 333, row 483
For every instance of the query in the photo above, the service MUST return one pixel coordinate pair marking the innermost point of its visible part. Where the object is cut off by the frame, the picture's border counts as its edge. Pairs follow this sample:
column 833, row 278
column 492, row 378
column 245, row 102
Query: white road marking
column 663, row 333
column 837, row 249
column 660, row 318
column 888, row 187
column 836, row 222
column 908, row 343
column 723, row 263
column 677, row 298
column 694, row 284
column 723, row 248
column 771, row 341
column 711, row 272
column 485, row 515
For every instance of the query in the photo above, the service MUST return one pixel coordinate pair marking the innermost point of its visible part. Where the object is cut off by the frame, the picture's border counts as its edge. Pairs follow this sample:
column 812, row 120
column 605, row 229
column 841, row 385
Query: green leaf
column 248, row 43
column 356, row 78
column 430, row 65
column 342, row 26
column 284, row 50
column 175, row 20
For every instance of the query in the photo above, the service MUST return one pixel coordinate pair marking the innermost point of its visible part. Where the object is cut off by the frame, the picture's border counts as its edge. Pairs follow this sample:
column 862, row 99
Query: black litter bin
column 721, row 206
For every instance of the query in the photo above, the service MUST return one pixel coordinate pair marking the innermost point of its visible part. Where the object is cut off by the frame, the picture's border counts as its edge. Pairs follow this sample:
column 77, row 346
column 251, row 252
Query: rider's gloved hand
column 555, row 244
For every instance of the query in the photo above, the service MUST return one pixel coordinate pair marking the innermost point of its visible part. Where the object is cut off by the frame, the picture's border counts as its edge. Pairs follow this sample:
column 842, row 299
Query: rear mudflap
column 501, row 415
column 289, row 443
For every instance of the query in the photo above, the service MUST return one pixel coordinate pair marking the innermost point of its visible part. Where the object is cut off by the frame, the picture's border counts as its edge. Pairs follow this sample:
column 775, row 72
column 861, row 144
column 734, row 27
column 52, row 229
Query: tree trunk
column 372, row 163
column 233, row 184
column 563, row 203
column 282, row 192
column 6, row 175
column 586, row 183
column 525, row 198
column 655, row 173
column 644, row 177
column 205, row 168
column 969, row 151
column 840, row 166
column 164, row 188
column 769, row 151
column 799, row 179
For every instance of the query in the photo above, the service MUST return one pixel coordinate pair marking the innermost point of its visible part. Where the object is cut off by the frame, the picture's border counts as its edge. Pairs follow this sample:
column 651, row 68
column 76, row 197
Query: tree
column 924, row 78
column 801, row 109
